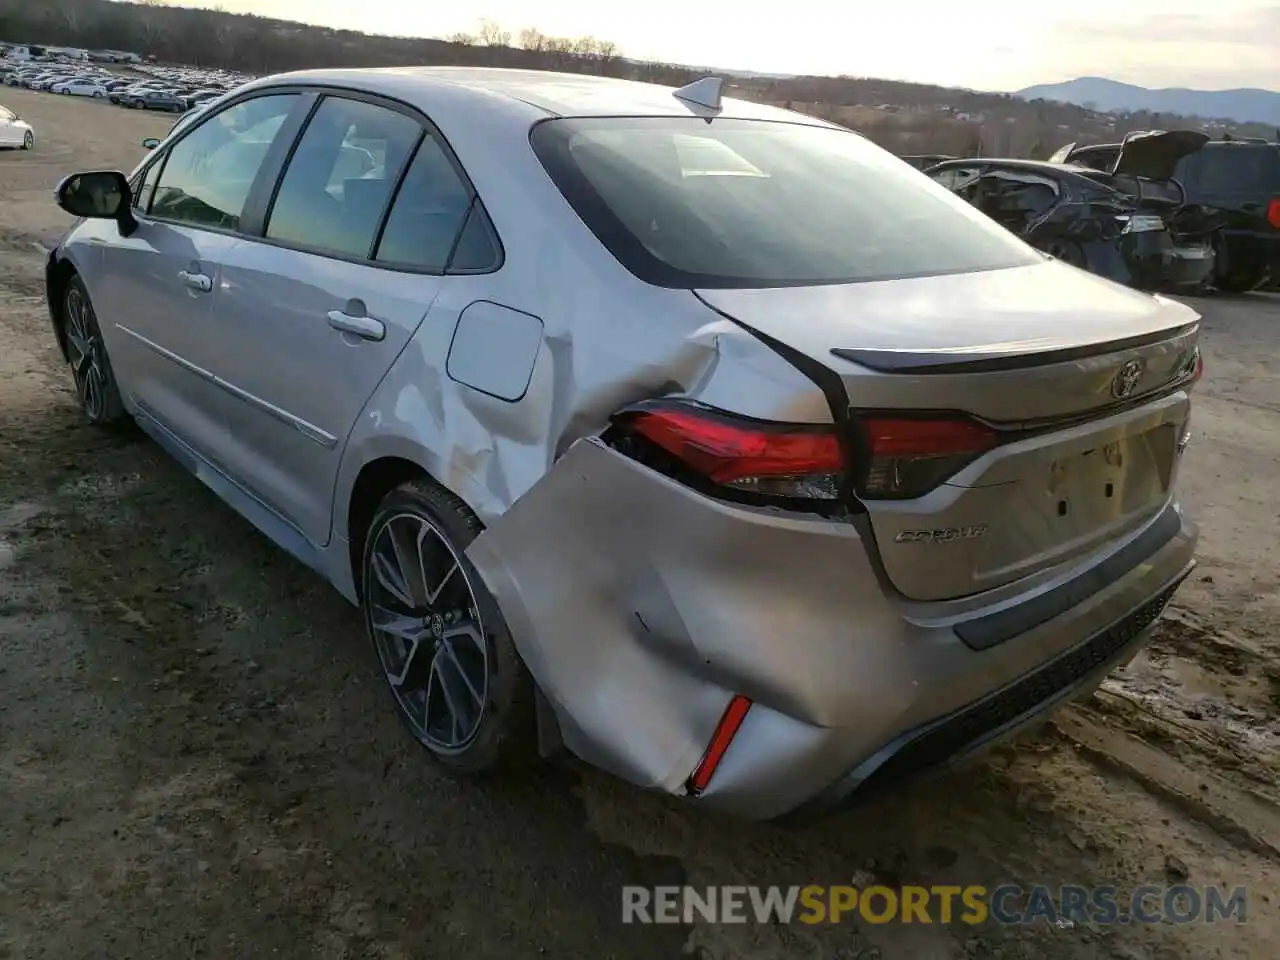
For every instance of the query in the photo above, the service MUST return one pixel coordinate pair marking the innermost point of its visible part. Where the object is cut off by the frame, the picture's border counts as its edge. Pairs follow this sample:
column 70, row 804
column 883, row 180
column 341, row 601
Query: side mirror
column 151, row 142
column 100, row 195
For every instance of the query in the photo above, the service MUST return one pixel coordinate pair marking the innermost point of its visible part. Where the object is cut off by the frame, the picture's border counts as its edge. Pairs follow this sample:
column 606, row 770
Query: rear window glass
column 1235, row 168
column 746, row 203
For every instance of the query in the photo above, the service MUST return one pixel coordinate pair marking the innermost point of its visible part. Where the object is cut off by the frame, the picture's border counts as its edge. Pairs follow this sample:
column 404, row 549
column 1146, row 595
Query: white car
column 81, row 88
column 14, row 131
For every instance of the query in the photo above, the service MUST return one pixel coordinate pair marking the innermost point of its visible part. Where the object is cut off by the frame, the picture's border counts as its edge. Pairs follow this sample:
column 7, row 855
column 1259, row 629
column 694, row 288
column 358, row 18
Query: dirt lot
column 197, row 760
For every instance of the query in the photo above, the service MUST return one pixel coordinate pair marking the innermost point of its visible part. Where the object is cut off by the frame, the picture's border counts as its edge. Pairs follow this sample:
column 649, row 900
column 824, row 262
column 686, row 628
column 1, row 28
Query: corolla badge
column 942, row 535
column 1126, row 381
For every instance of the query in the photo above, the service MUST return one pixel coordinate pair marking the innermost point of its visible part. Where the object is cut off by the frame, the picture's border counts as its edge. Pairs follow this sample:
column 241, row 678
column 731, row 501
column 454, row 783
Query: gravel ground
column 197, row 759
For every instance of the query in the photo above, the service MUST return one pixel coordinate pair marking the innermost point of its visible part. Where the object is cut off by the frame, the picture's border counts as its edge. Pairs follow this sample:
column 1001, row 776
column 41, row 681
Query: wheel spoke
column 399, row 625
column 449, row 655
column 407, row 546
column 390, row 577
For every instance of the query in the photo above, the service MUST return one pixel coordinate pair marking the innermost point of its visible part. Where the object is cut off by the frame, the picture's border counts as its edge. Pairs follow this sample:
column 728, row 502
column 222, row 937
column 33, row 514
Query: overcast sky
column 984, row 44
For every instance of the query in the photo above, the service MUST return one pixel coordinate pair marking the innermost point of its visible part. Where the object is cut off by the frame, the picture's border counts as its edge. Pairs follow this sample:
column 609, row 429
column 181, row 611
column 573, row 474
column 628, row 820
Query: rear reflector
column 906, row 457
column 726, row 730
column 1273, row 212
column 773, row 459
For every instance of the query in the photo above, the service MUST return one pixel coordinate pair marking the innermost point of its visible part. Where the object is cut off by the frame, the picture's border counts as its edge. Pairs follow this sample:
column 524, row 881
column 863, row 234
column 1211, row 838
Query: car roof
column 1040, row 166
column 544, row 93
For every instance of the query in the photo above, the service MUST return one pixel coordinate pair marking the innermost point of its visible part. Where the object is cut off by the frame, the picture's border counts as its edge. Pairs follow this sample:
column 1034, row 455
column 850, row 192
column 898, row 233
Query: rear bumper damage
column 642, row 608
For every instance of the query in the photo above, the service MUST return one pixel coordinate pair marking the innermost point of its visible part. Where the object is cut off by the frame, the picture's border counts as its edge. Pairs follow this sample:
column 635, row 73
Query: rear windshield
column 746, row 203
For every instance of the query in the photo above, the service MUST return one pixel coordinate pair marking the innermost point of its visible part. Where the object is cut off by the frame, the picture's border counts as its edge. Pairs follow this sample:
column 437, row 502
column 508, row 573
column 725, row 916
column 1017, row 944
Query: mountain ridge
column 1243, row 104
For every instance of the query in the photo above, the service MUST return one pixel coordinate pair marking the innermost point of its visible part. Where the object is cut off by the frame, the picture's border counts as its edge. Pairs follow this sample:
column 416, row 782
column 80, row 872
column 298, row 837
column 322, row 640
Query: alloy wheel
column 86, row 348
column 28, row 141
column 426, row 627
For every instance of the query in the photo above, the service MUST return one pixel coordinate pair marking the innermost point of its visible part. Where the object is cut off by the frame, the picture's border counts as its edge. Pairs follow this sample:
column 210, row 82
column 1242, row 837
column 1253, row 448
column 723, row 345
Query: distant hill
column 1098, row 93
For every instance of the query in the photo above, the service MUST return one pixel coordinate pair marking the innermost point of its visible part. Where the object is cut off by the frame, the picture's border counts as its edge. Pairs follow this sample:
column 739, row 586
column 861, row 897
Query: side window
column 5, row 115
column 209, row 172
column 954, row 178
column 428, row 213
column 340, row 177
column 145, row 189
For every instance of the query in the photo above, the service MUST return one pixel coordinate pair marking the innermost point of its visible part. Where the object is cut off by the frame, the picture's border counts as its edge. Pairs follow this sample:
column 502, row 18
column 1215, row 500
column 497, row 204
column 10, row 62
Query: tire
column 95, row 381
column 99, row 95
column 502, row 733
column 1241, row 281
column 29, row 141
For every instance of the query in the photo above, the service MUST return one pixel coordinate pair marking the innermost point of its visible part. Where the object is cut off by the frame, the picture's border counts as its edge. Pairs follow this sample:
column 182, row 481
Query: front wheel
column 99, row 95
column 90, row 366
column 28, row 141
column 445, row 650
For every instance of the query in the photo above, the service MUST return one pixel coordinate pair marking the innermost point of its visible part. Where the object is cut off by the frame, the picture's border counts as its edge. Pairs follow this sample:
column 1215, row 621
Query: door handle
column 366, row 328
column 196, row 281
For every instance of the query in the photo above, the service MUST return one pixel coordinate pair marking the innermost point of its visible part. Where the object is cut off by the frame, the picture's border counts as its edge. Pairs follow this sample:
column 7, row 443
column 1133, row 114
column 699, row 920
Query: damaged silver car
column 701, row 440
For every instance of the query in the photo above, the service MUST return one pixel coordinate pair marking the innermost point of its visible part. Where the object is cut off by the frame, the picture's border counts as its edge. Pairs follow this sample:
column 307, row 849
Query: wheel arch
column 58, row 274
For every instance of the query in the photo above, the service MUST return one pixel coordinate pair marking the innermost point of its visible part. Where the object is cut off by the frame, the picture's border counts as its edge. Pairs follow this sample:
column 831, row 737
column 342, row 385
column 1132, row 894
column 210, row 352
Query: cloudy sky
column 984, row 44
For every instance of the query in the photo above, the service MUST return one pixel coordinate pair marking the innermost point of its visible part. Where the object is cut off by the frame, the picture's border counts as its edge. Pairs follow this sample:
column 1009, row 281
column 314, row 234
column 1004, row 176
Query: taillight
column 1199, row 371
column 1273, row 212
column 750, row 456
column 906, row 457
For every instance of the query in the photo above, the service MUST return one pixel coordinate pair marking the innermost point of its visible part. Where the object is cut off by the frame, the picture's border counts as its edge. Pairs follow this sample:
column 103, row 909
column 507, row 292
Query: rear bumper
column 956, row 738
column 657, row 605
column 1158, row 262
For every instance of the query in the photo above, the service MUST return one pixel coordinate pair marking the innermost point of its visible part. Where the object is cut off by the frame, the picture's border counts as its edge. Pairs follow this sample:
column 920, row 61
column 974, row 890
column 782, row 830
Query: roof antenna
column 702, row 93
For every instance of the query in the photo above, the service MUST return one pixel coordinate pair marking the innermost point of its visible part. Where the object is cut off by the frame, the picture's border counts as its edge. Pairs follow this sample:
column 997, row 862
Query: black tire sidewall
column 113, row 410
column 505, row 738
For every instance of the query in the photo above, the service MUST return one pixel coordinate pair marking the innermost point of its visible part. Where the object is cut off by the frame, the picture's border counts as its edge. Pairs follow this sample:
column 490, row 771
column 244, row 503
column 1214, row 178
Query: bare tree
column 532, row 40
column 491, row 34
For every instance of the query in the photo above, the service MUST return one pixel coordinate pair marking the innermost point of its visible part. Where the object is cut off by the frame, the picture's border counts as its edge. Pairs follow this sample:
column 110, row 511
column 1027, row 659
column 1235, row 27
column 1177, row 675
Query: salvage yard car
column 14, row 131
column 1131, row 225
column 1240, row 180
column 704, row 440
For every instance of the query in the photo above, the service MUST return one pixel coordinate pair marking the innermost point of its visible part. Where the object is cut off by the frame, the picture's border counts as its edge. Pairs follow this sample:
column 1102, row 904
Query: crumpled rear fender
column 641, row 607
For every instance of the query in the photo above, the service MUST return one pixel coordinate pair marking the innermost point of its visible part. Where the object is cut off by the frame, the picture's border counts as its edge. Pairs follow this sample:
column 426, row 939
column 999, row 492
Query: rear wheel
column 444, row 648
column 1241, row 281
column 90, row 366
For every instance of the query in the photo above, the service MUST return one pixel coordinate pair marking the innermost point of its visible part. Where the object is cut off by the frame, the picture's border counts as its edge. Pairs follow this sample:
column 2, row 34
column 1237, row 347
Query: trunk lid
column 1081, row 373
column 1154, row 154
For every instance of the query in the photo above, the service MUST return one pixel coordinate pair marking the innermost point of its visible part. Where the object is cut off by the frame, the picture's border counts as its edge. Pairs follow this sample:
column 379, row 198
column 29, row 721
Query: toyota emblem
column 1126, row 381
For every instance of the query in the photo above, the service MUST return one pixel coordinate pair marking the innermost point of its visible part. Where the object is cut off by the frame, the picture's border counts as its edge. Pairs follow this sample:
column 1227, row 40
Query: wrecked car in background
column 1131, row 225
column 705, row 440
column 923, row 161
column 1239, row 179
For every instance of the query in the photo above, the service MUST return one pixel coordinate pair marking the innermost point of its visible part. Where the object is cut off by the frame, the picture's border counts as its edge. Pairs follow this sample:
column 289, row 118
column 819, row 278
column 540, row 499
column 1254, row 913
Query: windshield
column 745, row 203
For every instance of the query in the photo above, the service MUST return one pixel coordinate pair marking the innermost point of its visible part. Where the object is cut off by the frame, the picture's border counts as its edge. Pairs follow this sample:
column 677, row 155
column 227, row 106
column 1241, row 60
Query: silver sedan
column 699, row 439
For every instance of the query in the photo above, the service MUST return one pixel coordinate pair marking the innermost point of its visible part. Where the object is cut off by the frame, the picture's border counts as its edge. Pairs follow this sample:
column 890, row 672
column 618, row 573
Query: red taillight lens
column 906, row 457
column 1273, row 212
column 1199, row 372
column 725, row 731
column 753, row 456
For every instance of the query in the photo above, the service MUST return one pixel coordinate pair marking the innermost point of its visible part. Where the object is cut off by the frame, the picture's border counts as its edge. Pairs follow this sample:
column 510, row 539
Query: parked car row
column 1169, row 210
column 174, row 90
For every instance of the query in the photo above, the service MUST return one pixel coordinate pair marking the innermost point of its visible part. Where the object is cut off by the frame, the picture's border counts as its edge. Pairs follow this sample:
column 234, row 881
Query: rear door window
column 340, row 177
column 430, row 211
